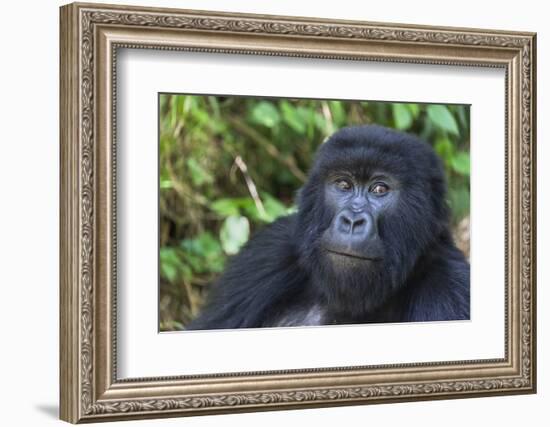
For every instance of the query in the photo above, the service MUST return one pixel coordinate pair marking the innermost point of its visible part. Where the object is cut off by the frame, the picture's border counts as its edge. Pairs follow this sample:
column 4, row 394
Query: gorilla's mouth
column 353, row 255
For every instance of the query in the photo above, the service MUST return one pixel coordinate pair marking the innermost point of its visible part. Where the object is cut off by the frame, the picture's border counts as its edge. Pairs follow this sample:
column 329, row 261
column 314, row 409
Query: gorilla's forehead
column 364, row 162
column 367, row 150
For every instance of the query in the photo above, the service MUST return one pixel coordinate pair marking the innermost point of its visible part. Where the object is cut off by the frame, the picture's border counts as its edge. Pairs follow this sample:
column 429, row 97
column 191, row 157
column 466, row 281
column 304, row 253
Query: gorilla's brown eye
column 344, row 184
column 379, row 188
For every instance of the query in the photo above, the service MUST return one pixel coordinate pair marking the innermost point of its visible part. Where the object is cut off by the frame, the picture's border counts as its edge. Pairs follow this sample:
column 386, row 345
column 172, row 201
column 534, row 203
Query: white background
column 144, row 73
column 29, row 170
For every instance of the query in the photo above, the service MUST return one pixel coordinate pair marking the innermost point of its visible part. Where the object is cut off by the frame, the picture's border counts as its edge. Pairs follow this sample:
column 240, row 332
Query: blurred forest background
column 230, row 165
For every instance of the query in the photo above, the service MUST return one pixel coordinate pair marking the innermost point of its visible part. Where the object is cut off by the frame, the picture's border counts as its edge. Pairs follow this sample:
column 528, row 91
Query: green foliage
column 264, row 113
column 234, row 233
column 461, row 163
column 202, row 254
column 210, row 203
column 402, row 116
column 199, row 175
column 442, row 118
column 272, row 208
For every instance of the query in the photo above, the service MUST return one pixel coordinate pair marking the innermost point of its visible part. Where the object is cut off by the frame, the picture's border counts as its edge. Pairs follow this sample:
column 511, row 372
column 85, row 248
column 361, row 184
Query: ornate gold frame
column 90, row 36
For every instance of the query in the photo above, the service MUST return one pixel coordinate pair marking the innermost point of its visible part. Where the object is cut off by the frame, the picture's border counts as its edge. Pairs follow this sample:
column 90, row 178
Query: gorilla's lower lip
column 347, row 254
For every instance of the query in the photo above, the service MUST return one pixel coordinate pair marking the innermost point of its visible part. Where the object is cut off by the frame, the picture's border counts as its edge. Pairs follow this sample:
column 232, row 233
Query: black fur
column 285, row 277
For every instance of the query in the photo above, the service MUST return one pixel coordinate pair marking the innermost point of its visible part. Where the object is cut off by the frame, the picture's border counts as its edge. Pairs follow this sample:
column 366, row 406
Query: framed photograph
column 266, row 212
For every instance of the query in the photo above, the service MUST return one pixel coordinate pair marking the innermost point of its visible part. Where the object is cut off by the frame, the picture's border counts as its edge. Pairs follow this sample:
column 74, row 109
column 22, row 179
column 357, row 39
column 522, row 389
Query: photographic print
column 282, row 212
column 322, row 202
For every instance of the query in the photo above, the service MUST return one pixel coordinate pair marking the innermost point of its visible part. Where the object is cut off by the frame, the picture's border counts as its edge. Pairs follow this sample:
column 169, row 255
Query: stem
column 251, row 186
column 270, row 148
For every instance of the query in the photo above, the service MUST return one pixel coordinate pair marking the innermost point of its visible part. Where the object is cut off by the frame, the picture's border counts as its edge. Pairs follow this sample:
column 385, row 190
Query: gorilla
column 370, row 242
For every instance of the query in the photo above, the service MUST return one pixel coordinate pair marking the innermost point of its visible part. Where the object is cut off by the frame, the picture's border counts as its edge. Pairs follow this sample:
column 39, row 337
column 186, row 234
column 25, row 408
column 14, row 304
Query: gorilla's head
column 374, row 203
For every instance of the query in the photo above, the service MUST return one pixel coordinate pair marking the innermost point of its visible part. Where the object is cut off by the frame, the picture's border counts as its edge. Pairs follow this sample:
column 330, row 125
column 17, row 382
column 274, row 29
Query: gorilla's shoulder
column 255, row 280
column 272, row 242
column 279, row 230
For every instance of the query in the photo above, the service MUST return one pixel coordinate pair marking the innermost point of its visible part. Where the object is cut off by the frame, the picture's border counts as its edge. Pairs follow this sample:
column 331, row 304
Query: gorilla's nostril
column 345, row 224
column 359, row 225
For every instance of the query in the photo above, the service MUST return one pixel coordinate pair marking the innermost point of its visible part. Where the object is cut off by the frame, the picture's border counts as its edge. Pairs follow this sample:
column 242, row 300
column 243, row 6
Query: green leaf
column 202, row 253
column 461, row 163
column 273, row 207
column 442, row 118
column 414, row 109
column 459, row 200
column 234, row 234
column 196, row 262
column 189, row 103
column 225, row 207
column 166, row 183
column 292, row 118
column 217, row 264
column 445, row 149
column 237, row 205
column 208, row 245
column 173, row 112
column 265, row 113
column 169, row 263
column 250, row 209
column 170, row 272
column 338, row 113
column 203, row 244
column 166, row 142
column 321, row 123
column 402, row 116
column 213, row 102
column 199, row 175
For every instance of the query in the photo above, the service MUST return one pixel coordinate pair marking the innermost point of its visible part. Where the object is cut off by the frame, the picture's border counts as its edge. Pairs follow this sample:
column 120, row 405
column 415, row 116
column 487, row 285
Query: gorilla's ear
column 309, row 195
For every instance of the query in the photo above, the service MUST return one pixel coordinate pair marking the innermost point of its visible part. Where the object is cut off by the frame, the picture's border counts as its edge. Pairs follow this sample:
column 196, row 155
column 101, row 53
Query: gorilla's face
column 354, row 247
column 352, row 239
column 374, row 202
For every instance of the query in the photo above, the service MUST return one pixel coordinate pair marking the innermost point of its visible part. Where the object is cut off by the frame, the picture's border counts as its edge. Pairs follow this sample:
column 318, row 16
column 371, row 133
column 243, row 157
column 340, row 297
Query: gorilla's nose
column 356, row 224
